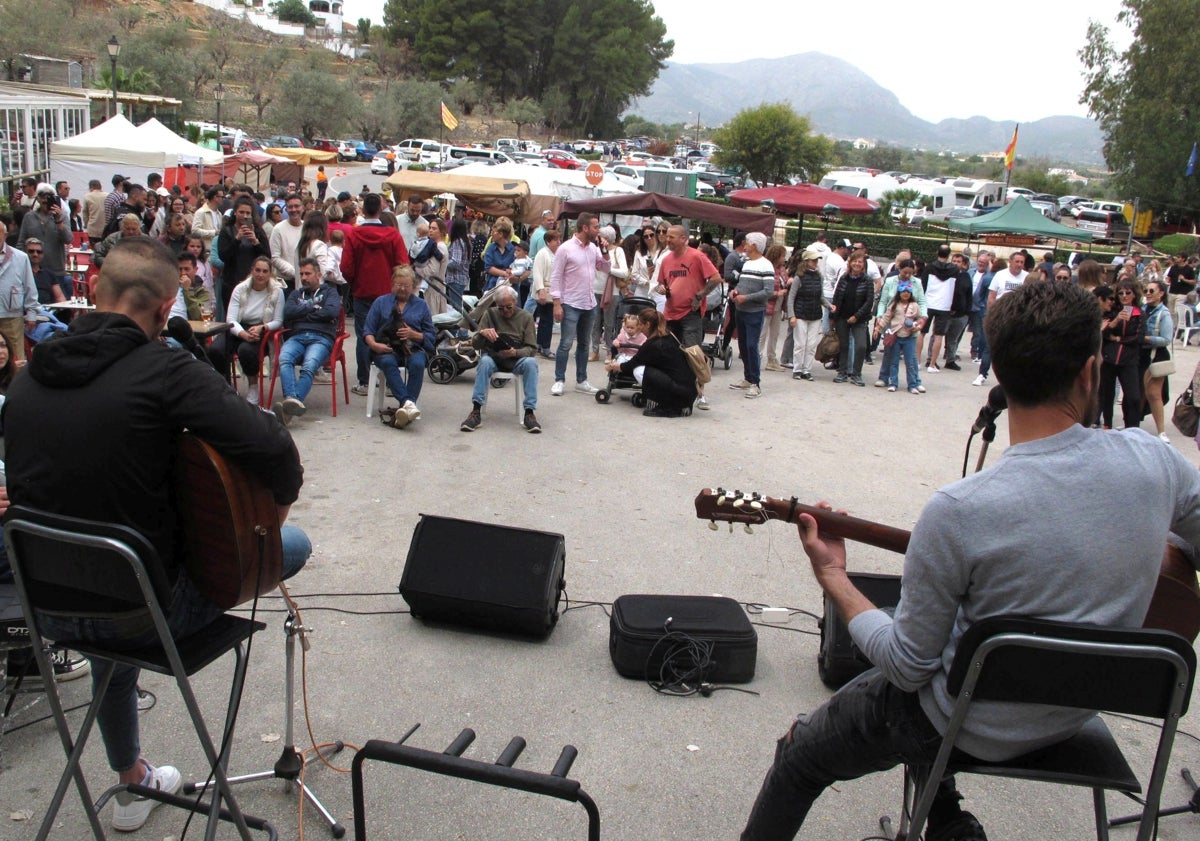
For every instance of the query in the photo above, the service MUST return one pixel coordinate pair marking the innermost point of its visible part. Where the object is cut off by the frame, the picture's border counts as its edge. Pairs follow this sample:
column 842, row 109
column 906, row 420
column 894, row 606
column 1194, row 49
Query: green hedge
column 1177, row 244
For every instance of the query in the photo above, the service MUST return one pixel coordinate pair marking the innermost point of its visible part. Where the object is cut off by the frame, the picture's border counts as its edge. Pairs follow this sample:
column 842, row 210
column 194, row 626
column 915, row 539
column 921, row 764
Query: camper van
column 860, row 184
column 976, row 192
column 939, row 196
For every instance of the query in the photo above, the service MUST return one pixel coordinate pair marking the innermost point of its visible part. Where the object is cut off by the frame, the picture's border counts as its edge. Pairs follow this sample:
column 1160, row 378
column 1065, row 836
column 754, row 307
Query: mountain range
column 845, row 103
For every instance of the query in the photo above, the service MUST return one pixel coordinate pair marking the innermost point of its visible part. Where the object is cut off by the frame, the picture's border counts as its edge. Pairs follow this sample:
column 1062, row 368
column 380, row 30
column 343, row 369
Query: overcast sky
column 1011, row 60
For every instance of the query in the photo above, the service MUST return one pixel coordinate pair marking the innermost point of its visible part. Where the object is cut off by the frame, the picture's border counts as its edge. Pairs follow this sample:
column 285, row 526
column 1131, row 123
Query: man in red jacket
column 372, row 250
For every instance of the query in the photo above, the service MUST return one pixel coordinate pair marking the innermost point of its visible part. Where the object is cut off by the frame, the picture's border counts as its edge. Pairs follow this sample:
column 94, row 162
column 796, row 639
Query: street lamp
column 114, row 50
column 219, row 96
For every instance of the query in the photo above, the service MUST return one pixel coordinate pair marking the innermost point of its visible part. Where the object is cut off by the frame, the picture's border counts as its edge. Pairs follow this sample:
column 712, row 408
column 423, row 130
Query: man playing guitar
column 1031, row 535
column 121, row 398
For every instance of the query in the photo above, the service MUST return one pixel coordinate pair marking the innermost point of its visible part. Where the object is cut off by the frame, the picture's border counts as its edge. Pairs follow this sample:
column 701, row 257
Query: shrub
column 1177, row 244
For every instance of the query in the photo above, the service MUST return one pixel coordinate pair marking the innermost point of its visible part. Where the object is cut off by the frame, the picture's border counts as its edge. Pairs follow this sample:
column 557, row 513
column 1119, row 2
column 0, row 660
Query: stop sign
column 594, row 173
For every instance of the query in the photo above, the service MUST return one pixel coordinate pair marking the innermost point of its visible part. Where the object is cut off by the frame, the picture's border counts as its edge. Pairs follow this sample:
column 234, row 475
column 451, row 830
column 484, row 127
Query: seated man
column 399, row 331
column 1025, row 537
column 138, row 395
column 311, row 315
column 507, row 338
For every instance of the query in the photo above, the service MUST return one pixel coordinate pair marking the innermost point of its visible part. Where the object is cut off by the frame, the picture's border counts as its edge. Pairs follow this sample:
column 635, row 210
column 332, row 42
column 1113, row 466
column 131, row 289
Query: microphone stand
column 988, row 436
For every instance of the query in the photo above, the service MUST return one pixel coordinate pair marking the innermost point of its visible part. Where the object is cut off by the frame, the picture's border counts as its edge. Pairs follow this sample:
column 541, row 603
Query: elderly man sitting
column 507, row 338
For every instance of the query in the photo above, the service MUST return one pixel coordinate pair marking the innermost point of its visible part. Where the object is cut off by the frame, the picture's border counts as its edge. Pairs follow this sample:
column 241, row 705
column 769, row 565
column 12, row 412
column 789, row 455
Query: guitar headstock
column 731, row 507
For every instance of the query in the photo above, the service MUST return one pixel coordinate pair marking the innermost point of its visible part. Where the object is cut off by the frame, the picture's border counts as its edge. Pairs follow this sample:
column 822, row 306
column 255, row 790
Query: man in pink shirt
column 575, row 266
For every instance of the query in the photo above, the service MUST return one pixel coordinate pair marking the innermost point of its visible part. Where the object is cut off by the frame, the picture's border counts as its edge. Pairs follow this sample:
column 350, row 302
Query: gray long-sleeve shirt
column 756, row 285
column 1044, row 533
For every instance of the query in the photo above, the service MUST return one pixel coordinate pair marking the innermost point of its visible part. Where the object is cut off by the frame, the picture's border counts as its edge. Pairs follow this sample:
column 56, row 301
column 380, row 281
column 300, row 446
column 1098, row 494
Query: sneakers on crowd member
column 410, row 408
column 741, row 384
column 360, row 390
column 753, row 391
column 915, row 390
column 594, row 356
column 545, row 353
column 252, row 395
column 840, row 378
column 68, row 665
column 585, row 388
column 531, row 422
column 324, row 377
column 702, row 403
column 980, row 380
column 557, row 388
column 131, row 812
column 1162, row 436
column 963, row 827
column 920, row 389
column 806, row 375
column 401, row 418
column 880, row 383
column 281, row 413
column 891, row 388
column 951, row 365
column 933, row 369
column 473, row 421
column 293, row 406
column 797, row 375
column 858, row 381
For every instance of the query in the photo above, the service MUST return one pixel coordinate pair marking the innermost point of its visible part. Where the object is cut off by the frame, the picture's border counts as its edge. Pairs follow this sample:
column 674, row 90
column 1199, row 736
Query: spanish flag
column 448, row 119
column 1010, row 154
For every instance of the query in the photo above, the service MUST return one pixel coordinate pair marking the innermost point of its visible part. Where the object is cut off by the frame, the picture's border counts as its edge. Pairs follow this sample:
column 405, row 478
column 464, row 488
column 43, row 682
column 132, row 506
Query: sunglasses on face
column 33, row 251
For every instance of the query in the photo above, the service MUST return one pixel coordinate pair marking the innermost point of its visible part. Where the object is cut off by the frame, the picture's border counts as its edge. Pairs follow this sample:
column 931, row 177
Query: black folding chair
column 1135, row 672
column 61, row 561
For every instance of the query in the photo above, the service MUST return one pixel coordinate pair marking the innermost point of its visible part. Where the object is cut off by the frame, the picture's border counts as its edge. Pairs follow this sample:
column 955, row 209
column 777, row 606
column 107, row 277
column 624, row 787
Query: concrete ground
column 620, row 487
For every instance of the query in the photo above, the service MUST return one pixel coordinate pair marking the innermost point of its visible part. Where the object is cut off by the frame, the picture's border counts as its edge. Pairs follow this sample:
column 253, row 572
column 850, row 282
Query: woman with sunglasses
column 641, row 263
column 1121, row 329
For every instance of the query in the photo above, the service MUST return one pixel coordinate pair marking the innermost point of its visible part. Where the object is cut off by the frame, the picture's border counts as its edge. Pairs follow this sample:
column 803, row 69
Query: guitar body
column 228, row 525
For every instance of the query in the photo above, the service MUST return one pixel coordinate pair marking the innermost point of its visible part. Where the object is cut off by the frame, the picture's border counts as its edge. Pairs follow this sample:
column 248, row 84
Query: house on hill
column 328, row 33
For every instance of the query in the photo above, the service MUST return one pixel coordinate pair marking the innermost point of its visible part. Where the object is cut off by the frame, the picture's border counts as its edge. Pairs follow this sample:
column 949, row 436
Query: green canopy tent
column 1018, row 217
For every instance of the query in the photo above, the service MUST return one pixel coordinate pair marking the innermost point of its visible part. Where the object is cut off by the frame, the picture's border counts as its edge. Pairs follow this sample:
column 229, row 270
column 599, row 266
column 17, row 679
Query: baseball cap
column 162, row 191
column 810, row 254
column 344, row 196
column 844, row 243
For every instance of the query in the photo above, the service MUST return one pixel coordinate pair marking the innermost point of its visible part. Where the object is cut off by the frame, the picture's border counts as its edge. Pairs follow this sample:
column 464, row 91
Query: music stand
column 291, row 761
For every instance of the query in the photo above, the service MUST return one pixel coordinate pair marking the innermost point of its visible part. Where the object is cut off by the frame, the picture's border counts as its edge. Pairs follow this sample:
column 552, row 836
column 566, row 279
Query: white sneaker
column 1162, row 436
column 891, row 388
column 980, row 380
column 410, row 408
column 585, row 388
column 743, row 384
column 294, row 406
column 702, row 403
column 933, row 369
column 920, row 389
column 880, row 383
column 753, row 391
column 131, row 812
column 252, row 395
column 557, row 388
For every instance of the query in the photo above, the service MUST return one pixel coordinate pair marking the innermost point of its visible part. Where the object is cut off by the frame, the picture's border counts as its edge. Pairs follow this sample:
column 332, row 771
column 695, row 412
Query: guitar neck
column 738, row 507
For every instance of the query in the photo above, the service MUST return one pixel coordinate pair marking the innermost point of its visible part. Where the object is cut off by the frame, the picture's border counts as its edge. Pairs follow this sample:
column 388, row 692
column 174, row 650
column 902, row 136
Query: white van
column 976, row 192
column 419, row 150
column 468, row 155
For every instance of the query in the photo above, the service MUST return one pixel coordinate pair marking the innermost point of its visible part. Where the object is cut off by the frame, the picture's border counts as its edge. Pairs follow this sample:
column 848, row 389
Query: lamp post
column 219, row 96
column 114, row 50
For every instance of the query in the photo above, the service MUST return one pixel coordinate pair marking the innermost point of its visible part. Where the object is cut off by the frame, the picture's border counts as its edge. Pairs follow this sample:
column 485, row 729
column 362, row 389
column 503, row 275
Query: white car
column 529, row 159
column 379, row 163
column 626, row 174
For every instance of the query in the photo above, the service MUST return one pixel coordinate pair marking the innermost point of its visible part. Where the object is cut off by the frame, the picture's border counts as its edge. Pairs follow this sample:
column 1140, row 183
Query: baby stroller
column 617, row 380
column 453, row 352
column 717, row 313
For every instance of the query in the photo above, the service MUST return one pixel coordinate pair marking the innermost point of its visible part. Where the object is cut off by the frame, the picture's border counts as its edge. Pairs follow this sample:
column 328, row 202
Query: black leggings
column 226, row 346
column 658, row 387
column 1131, row 393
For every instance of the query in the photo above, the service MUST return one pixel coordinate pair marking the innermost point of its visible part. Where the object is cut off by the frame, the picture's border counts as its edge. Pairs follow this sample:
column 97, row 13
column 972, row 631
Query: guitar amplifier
column 838, row 659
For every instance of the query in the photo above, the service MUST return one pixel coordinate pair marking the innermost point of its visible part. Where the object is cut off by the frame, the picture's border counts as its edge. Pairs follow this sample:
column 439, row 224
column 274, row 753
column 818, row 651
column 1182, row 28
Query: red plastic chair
column 336, row 355
column 78, row 239
column 269, row 338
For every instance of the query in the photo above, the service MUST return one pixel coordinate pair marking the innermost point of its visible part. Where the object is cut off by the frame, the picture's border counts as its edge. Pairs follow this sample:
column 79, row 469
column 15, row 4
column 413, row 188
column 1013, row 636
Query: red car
column 562, row 160
column 324, row 145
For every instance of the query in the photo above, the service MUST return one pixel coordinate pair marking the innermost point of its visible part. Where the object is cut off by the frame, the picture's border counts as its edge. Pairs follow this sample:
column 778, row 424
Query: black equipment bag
column 645, row 630
column 838, row 659
column 484, row 575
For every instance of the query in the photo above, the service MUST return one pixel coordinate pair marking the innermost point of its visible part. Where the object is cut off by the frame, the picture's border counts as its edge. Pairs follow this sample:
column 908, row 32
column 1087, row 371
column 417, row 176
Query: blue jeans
column 526, row 368
column 749, row 328
column 362, row 353
column 978, row 340
column 390, row 365
column 906, row 345
column 575, row 322
column 187, row 613
column 309, row 349
column 869, row 725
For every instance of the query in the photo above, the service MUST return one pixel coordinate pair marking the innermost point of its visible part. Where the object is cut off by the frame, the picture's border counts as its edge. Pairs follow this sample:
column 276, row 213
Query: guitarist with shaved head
column 121, row 398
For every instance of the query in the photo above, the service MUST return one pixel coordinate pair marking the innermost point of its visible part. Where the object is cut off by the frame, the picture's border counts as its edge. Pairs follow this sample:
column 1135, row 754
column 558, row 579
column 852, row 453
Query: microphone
column 179, row 330
column 996, row 403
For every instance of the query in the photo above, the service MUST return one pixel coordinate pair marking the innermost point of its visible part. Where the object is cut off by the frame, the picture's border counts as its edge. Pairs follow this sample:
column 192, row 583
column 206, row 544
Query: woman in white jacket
column 609, row 287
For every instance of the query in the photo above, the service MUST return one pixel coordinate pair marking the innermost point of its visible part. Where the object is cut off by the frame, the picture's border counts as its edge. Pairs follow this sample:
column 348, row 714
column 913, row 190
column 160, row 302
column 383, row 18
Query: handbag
column 1165, row 367
column 828, row 347
column 889, row 339
column 698, row 362
column 1186, row 416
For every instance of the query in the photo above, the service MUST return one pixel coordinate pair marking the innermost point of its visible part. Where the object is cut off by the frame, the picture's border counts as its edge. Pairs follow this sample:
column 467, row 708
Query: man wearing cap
column 48, row 223
column 831, row 270
column 537, row 240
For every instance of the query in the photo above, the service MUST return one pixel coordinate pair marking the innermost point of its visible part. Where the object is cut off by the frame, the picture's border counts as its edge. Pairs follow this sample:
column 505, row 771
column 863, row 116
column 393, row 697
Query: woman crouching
column 662, row 368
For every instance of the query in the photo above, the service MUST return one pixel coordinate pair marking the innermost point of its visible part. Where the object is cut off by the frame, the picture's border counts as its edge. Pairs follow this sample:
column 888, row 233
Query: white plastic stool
column 500, row 377
column 377, row 388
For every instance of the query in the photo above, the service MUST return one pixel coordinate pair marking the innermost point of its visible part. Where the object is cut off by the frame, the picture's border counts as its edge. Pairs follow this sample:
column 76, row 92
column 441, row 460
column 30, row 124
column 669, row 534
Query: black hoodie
column 91, row 428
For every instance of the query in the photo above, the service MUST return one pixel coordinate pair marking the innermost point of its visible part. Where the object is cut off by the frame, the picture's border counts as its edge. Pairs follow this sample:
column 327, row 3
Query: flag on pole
column 1191, row 167
column 1010, row 154
column 448, row 119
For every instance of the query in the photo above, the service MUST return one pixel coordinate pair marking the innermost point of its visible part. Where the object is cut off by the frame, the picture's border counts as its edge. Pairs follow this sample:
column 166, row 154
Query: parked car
column 529, row 159
column 1065, row 202
column 583, row 147
column 285, row 141
column 379, row 163
column 626, row 174
column 1048, row 209
column 562, row 160
column 322, row 144
column 721, row 182
column 420, row 150
column 965, row 213
column 1106, row 224
column 347, row 150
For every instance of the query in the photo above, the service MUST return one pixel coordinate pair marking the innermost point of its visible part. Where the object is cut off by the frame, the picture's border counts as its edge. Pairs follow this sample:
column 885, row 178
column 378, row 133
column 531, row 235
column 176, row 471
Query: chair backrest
column 78, row 238
column 71, row 565
column 1134, row 671
column 1183, row 316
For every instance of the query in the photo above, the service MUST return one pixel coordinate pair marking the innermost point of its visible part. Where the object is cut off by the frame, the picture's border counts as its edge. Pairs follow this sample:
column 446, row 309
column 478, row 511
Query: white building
column 328, row 13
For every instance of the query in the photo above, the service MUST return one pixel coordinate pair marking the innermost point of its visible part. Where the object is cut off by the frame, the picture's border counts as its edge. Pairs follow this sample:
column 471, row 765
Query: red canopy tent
column 645, row 204
column 803, row 198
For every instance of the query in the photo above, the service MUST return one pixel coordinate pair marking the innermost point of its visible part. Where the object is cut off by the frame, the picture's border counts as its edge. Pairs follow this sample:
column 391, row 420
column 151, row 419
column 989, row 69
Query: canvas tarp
column 661, row 204
column 1018, row 217
column 303, row 156
column 549, row 187
column 491, row 196
column 803, row 198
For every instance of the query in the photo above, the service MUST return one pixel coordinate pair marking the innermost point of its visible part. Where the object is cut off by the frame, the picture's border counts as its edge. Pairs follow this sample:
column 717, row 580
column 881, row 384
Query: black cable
column 344, row 610
column 967, row 453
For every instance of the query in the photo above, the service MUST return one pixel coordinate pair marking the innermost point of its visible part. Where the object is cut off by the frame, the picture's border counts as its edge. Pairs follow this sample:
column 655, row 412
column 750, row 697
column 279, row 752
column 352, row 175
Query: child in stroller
column 623, row 349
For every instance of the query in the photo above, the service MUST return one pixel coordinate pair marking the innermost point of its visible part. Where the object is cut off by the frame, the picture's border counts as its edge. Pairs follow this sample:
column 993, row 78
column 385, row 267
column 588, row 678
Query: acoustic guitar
column 228, row 526
column 1175, row 606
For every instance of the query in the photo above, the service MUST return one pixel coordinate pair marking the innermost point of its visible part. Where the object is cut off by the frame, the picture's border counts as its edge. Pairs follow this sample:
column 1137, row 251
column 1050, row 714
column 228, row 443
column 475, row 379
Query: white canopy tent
column 118, row 146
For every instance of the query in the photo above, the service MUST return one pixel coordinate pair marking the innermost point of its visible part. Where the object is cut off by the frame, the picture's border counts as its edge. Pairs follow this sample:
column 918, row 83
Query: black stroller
column 617, row 380
column 453, row 351
column 717, row 314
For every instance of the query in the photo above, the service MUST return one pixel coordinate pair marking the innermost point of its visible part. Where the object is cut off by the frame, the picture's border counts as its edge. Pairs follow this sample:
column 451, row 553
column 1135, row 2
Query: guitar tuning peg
column 739, row 502
column 721, row 500
column 731, row 526
column 712, row 525
column 748, row 529
column 756, row 505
